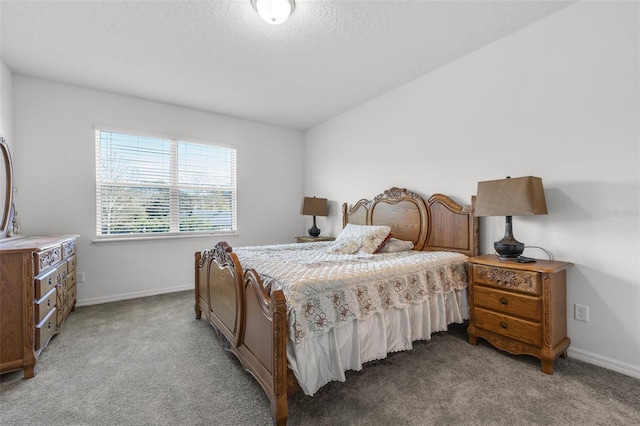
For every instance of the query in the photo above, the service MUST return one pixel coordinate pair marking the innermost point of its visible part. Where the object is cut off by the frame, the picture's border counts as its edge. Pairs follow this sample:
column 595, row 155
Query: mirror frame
column 7, row 213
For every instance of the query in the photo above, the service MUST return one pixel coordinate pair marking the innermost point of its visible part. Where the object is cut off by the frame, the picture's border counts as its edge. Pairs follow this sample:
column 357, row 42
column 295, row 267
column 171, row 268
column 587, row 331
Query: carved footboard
column 253, row 322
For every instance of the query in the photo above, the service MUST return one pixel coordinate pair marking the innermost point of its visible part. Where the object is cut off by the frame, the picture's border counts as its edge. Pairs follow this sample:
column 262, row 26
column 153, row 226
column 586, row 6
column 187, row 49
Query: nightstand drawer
column 518, row 329
column 512, row 279
column 508, row 303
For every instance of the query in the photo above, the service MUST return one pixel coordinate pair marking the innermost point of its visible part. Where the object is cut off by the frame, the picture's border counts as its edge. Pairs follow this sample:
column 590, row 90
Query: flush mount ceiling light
column 274, row 12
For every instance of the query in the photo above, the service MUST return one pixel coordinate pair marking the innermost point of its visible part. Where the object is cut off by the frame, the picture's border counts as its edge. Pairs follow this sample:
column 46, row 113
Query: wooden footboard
column 252, row 321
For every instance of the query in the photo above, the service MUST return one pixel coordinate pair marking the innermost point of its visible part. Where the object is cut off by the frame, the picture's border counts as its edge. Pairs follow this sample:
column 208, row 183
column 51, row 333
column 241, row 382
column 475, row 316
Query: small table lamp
column 312, row 206
column 510, row 197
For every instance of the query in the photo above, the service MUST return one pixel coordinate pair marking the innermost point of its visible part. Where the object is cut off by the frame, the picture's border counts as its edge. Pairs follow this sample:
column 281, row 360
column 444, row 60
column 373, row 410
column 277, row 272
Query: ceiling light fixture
column 274, row 12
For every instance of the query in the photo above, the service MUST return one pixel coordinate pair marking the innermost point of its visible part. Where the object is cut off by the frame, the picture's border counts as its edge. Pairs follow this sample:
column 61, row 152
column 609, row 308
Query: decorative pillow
column 382, row 244
column 360, row 239
column 344, row 247
column 395, row 245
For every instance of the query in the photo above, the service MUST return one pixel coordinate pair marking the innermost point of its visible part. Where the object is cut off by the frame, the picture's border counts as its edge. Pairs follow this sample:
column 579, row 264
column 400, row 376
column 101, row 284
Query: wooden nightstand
column 310, row 239
column 519, row 307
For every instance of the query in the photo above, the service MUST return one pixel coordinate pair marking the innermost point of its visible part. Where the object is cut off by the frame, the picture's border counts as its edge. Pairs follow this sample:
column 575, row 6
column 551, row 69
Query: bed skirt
column 319, row 360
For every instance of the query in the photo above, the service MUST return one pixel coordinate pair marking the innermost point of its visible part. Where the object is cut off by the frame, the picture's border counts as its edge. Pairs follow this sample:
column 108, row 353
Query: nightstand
column 310, row 239
column 519, row 307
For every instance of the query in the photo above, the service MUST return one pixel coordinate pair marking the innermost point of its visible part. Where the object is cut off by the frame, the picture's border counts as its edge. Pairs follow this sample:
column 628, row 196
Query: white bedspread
column 344, row 310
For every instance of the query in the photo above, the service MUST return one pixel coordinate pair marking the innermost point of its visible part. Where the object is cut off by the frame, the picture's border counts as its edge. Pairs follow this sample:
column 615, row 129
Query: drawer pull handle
column 48, row 303
column 503, row 301
column 503, row 325
column 48, row 326
column 50, row 280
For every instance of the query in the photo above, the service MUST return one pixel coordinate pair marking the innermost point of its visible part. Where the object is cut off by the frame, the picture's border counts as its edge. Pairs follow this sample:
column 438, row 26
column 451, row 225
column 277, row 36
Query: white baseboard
column 126, row 296
column 605, row 362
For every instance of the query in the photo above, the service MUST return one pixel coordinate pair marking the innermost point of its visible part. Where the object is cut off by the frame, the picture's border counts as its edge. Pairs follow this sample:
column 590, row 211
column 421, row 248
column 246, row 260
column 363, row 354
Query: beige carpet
column 149, row 362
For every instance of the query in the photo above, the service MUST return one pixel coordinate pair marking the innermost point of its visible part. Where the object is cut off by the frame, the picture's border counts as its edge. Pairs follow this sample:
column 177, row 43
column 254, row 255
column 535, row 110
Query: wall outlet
column 581, row 312
column 80, row 277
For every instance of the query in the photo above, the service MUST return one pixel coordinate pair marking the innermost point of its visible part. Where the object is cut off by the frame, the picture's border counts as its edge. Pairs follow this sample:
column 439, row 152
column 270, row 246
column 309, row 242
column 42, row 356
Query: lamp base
column 508, row 250
column 314, row 231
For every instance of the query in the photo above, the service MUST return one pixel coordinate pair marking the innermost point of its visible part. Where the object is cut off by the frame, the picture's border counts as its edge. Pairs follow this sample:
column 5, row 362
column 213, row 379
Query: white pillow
column 360, row 239
column 395, row 245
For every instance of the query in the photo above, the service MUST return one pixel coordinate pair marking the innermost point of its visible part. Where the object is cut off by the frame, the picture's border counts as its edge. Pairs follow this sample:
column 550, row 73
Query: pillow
column 387, row 238
column 395, row 245
column 360, row 239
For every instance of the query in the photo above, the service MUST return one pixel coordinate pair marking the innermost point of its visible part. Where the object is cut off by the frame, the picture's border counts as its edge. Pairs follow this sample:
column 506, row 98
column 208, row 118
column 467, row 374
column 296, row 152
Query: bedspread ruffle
column 317, row 314
column 325, row 290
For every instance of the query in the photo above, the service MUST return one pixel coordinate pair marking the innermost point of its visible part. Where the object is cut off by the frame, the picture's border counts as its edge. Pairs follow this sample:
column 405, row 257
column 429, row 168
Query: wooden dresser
column 519, row 307
column 37, row 292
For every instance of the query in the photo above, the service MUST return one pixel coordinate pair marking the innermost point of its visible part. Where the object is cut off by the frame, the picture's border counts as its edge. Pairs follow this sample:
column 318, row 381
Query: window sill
column 156, row 238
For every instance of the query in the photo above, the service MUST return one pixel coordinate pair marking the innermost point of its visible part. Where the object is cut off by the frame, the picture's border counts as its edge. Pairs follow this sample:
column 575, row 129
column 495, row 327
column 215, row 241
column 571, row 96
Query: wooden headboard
column 437, row 224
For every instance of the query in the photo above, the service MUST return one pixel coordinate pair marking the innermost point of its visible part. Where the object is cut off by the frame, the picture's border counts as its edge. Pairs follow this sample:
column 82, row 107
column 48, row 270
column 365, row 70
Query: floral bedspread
column 325, row 290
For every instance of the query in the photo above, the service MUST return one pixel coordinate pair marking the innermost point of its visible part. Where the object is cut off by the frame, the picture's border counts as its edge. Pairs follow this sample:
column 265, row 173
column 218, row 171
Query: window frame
column 173, row 187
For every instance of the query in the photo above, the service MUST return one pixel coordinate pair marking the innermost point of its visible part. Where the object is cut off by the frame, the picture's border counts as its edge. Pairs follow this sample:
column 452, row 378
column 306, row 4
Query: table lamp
column 510, row 197
column 312, row 206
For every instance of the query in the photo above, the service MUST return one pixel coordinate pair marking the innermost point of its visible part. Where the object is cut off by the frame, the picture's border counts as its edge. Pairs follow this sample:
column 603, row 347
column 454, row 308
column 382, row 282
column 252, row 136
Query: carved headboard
column 438, row 224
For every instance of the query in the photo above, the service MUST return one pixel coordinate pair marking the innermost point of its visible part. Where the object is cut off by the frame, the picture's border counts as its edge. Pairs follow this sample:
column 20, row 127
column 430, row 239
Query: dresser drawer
column 508, row 302
column 69, row 249
column 45, row 305
column 512, row 279
column 71, row 263
column 71, row 278
column 51, row 279
column 46, row 329
column 505, row 325
column 47, row 258
column 72, row 295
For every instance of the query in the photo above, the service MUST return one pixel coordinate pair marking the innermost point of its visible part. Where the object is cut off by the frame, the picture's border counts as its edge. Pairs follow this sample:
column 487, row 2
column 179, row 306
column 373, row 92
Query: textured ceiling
column 219, row 56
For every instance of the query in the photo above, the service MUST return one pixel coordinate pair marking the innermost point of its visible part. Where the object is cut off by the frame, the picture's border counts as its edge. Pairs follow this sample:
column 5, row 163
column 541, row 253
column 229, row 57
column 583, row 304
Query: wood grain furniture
column 253, row 320
column 37, row 292
column 519, row 307
column 310, row 239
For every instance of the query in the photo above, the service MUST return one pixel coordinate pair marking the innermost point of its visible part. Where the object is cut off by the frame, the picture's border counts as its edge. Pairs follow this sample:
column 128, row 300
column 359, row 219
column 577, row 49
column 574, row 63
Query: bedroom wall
column 54, row 159
column 6, row 104
column 559, row 100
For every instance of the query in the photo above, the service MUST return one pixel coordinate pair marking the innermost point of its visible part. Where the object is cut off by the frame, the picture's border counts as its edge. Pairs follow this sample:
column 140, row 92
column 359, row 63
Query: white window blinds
column 150, row 186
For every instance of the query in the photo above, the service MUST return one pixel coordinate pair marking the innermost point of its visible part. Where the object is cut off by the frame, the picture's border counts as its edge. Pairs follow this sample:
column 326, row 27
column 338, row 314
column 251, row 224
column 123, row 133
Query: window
column 149, row 186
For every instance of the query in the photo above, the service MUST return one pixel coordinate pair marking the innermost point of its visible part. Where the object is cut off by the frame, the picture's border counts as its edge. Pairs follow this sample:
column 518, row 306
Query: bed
column 299, row 315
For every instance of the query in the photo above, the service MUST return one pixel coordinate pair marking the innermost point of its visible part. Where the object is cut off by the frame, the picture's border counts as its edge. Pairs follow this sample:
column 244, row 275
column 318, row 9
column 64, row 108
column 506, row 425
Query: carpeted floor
column 149, row 362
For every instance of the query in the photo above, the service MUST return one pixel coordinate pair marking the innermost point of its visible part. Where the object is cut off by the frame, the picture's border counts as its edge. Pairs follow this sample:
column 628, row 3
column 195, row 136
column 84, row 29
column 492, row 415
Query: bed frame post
column 198, row 258
column 279, row 409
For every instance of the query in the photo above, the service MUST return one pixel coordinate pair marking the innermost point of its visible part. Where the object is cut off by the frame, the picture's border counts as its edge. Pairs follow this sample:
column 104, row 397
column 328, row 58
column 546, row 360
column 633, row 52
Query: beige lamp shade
column 511, row 197
column 312, row 206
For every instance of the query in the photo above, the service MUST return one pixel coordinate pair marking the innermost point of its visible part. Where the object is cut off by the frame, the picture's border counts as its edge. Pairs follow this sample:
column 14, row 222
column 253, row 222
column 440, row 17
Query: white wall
column 6, row 104
column 559, row 100
column 54, row 162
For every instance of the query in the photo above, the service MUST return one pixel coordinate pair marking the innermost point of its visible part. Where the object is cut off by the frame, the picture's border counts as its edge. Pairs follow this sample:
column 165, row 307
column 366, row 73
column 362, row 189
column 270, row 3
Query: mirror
column 6, row 189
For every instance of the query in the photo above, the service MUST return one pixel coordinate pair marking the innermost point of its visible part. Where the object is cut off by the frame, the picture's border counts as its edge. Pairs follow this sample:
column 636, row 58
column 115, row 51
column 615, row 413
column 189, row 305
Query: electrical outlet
column 80, row 277
column 581, row 312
